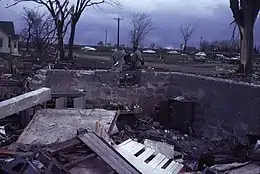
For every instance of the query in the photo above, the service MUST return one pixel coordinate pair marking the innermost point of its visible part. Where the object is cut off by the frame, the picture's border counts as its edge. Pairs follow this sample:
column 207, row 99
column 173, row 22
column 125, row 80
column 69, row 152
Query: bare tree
column 39, row 32
column 142, row 26
column 186, row 30
column 76, row 12
column 59, row 12
column 245, row 13
column 235, row 39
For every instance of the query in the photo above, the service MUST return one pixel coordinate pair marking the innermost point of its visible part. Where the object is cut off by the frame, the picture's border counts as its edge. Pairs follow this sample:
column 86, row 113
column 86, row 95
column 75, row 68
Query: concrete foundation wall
column 225, row 108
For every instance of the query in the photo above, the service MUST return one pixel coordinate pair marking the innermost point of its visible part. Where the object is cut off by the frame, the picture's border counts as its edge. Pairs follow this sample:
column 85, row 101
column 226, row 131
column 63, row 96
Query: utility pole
column 118, row 26
column 106, row 38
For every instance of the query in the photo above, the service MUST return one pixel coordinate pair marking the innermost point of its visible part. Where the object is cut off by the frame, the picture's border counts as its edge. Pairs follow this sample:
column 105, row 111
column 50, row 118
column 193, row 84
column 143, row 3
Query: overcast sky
column 211, row 17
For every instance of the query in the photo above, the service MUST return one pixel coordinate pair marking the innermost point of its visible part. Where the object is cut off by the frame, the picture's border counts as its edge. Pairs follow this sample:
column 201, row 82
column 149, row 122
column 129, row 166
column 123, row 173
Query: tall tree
column 76, row 12
column 59, row 12
column 245, row 13
column 186, row 31
column 141, row 27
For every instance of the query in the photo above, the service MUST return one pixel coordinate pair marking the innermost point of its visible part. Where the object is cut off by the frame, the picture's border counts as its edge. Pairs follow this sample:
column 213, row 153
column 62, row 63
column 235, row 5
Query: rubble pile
column 182, row 145
column 73, row 140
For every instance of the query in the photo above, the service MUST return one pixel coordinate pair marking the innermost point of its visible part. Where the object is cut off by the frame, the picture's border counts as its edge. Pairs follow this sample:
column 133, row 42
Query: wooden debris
column 108, row 154
column 102, row 133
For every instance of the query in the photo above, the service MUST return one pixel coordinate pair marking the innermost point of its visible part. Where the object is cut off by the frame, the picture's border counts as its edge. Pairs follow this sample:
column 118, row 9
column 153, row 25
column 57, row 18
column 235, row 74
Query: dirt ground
column 211, row 69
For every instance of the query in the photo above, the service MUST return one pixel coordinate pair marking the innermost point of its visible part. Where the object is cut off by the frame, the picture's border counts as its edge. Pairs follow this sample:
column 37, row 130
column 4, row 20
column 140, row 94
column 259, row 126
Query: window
column 1, row 42
column 15, row 44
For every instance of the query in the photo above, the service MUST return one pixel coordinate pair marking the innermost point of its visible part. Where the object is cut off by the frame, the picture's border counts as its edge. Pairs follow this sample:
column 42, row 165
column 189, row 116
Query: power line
column 118, row 26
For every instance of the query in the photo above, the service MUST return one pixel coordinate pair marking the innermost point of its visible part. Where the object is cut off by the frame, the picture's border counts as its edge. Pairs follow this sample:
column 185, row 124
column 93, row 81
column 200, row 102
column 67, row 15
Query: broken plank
column 62, row 146
column 24, row 101
column 108, row 154
column 78, row 161
column 110, row 130
column 102, row 133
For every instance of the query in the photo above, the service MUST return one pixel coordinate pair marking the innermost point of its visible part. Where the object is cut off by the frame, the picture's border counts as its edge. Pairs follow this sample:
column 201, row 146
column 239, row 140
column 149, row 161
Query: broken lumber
column 24, row 101
column 108, row 154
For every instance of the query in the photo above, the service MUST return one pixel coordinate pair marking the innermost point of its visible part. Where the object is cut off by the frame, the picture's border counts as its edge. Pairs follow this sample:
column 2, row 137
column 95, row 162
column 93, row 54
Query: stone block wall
column 225, row 108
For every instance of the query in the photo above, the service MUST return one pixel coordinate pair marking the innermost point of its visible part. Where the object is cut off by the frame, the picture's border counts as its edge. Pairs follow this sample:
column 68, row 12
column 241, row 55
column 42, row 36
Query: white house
column 8, row 39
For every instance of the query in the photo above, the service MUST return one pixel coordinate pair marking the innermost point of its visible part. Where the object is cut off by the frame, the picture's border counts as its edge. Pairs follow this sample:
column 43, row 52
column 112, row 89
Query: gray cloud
column 212, row 19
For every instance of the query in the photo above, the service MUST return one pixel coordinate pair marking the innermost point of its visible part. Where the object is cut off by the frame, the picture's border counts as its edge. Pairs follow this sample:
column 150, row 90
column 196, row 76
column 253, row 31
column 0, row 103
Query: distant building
column 8, row 39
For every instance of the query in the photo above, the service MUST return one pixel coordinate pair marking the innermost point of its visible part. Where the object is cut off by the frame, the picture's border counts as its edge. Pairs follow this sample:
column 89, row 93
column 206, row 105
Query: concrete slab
column 24, row 101
column 57, row 125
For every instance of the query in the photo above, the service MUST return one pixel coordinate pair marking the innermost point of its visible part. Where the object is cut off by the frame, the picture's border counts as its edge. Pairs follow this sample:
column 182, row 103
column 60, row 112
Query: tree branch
column 237, row 12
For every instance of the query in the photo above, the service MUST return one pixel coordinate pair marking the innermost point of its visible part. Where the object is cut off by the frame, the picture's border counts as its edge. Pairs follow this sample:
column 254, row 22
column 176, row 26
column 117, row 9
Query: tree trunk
column 60, row 42
column 247, row 39
column 246, row 49
column 185, row 46
column 61, row 49
column 71, row 40
column 28, row 39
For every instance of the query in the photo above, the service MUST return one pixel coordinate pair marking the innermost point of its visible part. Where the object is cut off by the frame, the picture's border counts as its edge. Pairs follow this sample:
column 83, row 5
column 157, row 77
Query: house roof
column 15, row 37
column 7, row 27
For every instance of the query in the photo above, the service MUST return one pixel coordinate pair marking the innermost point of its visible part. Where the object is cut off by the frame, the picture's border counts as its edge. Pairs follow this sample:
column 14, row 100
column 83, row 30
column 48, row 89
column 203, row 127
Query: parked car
column 86, row 48
column 173, row 52
column 200, row 57
column 201, row 54
column 149, row 51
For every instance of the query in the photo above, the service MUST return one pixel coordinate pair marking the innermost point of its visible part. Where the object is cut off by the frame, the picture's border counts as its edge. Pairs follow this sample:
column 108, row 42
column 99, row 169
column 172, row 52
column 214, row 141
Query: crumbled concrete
column 225, row 108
